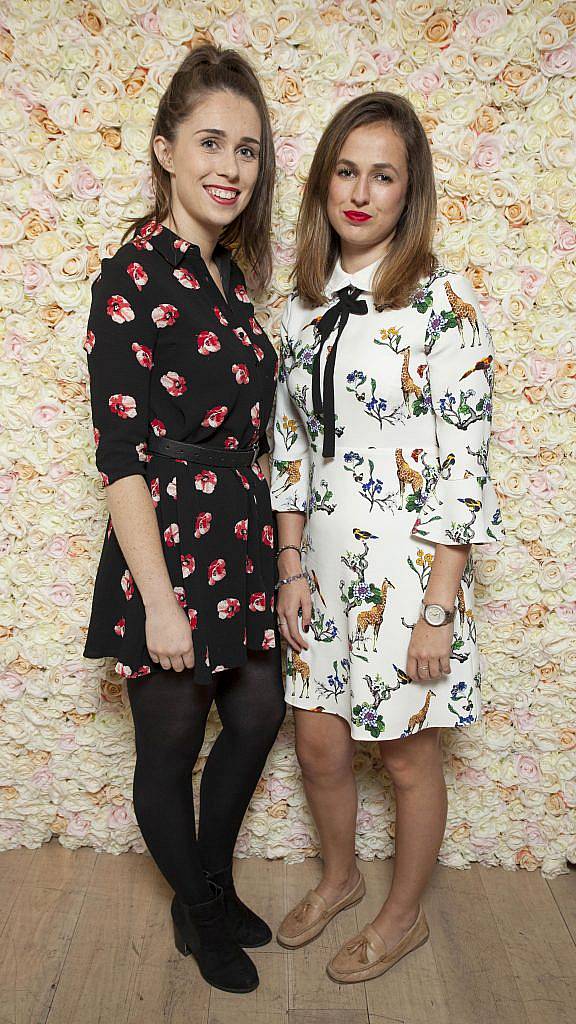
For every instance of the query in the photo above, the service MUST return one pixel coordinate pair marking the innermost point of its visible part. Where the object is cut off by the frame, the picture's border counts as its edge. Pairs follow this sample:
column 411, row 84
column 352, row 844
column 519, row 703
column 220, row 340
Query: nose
column 361, row 192
column 228, row 166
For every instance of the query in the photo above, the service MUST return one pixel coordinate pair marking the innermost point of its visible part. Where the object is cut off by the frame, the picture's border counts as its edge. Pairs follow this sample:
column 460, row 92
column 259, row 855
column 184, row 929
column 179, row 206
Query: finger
column 423, row 671
column 434, row 668
column 189, row 659
column 296, row 640
column 177, row 663
column 165, row 661
column 306, row 615
column 154, row 657
column 445, row 663
column 411, row 667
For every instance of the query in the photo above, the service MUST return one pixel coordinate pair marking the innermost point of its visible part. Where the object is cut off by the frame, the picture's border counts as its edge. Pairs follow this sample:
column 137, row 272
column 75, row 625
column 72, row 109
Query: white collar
column 362, row 279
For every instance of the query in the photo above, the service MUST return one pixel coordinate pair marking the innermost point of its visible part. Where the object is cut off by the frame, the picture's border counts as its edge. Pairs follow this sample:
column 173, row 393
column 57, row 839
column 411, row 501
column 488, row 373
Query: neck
column 354, row 259
column 182, row 224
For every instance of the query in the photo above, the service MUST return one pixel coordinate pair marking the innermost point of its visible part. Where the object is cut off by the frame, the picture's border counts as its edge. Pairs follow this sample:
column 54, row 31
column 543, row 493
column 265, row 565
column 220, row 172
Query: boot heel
column 180, row 943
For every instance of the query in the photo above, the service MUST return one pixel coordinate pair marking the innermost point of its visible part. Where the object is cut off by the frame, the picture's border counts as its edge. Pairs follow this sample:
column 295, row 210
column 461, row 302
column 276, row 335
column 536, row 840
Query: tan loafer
column 311, row 915
column 366, row 956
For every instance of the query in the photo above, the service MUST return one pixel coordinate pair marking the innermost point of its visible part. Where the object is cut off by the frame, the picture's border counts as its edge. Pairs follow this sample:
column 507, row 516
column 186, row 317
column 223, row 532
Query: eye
column 384, row 177
column 246, row 151
column 344, row 172
column 208, row 143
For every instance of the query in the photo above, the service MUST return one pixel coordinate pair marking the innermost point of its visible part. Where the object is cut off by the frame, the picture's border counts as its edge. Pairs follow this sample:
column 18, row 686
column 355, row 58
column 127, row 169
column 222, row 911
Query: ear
column 163, row 152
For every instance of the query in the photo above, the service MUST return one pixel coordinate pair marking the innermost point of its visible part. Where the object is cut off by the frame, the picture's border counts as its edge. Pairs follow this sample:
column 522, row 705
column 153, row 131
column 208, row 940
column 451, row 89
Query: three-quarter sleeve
column 120, row 343
column 290, row 454
column 462, row 506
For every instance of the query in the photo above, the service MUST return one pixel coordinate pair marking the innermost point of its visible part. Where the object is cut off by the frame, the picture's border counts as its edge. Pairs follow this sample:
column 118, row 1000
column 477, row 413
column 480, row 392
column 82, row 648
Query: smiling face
column 213, row 163
column 367, row 193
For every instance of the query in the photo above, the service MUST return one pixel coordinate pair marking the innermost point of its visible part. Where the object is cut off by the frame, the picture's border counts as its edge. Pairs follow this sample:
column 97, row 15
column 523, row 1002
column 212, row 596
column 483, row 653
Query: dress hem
column 239, row 662
column 363, row 737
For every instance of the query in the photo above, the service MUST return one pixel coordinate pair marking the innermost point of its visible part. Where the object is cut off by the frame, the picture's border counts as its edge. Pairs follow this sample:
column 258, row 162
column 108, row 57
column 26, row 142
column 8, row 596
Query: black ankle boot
column 201, row 929
column 248, row 929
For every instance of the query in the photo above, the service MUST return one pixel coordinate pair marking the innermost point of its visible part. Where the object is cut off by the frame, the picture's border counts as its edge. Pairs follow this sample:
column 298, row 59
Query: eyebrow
column 384, row 166
column 222, row 134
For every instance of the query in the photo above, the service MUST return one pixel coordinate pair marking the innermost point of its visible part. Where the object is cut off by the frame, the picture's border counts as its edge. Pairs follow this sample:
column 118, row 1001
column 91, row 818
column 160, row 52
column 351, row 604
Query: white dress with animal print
column 410, row 427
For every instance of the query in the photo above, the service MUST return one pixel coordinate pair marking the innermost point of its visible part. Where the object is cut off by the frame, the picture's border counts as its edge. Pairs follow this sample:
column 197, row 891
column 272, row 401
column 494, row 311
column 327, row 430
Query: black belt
column 202, row 453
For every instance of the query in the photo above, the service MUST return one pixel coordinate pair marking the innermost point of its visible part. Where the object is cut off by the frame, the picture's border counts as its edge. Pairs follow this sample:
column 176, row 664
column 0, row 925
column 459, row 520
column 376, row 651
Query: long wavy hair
column 206, row 70
column 409, row 256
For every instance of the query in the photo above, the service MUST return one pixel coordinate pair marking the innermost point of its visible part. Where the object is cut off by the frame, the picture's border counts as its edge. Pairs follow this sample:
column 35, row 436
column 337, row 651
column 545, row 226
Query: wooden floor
column 86, row 938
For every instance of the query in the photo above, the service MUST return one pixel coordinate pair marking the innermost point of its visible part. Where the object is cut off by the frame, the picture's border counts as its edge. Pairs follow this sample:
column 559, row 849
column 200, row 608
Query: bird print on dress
column 463, row 311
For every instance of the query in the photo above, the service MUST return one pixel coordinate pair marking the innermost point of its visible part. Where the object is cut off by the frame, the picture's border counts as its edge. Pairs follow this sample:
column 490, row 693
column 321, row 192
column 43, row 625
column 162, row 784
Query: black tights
column 170, row 711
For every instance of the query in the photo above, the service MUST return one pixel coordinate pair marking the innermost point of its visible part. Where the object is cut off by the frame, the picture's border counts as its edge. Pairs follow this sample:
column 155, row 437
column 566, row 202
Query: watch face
column 435, row 615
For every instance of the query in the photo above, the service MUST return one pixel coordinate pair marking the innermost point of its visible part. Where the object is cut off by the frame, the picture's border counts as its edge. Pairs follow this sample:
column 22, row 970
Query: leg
column 250, row 702
column 415, row 766
column 325, row 749
column 169, row 711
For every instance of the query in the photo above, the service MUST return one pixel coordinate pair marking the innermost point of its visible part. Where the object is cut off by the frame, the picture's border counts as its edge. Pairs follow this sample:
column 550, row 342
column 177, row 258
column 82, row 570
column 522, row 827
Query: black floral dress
column 169, row 357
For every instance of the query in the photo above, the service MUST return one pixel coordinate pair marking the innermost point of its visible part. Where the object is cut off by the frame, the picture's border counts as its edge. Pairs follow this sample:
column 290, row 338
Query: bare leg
column 325, row 749
column 415, row 766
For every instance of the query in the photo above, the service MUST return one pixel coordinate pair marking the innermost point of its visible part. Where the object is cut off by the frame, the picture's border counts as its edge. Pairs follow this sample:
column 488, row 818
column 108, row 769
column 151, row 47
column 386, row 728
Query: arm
column 120, row 342
column 461, row 508
column 289, row 494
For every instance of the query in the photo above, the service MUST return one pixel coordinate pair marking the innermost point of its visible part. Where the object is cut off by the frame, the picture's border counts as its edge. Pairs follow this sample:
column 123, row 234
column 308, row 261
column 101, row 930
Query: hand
column 293, row 599
column 429, row 651
column 169, row 637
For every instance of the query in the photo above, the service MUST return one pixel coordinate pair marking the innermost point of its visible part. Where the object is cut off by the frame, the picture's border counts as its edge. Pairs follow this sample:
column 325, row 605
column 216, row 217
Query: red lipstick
column 356, row 216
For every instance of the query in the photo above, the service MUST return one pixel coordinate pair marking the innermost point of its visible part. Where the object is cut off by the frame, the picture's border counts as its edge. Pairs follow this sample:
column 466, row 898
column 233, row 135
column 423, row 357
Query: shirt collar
column 361, row 279
column 174, row 249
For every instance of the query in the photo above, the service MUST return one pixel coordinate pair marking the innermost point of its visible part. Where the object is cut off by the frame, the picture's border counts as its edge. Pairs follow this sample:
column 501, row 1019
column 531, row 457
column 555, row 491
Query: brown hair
column 409, row 256
column 208, row 69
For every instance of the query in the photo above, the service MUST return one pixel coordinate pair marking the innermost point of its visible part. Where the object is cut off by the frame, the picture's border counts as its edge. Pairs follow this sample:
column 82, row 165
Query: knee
column 409, row 763
column 319, row 758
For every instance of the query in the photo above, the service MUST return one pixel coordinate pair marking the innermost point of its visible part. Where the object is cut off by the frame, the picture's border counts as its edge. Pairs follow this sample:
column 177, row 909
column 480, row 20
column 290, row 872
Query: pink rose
column 236, row 27
column 36, row 277
column 488, row 153
column 84, row 183
column 565, row 238
column 8, row 483
column 560, row 61
column 386, row 59
column 527, row 769
column 427, row 79
column 288, row 153
column 531, row 280
column 486, row 19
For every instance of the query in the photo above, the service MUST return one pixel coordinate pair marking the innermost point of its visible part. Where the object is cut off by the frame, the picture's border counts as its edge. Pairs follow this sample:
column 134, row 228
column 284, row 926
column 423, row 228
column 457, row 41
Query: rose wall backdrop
column 496, row 88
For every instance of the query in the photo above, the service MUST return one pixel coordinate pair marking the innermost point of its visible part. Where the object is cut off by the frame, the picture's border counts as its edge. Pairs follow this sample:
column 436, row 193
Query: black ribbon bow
column 334, row 319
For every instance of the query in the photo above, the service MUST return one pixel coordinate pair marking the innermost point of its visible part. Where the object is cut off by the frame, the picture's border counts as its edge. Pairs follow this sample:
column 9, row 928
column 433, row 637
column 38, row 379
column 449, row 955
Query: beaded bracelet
column 290, row 579
column 288, row 547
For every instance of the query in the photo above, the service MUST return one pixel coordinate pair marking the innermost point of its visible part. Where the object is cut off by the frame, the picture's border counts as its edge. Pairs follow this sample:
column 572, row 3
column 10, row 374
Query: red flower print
column 150, row 228
column 96, row 436
column 257, row 602
column 123, row 406
column 206, row 481
column 258, row 352
column 109, row 530
column 188, row 563
column 241, row 293
column 89, row 341
column 220, row 316
column 127, row 584
column 120, row 627
column 272, row 602
column 244, row 480
column 231, row 442
column 144, row 670
column 257, row 471
column 203, row 524
column 123, row 670
column 228, row 608
column 216, row 571
column 119, row 309
column 175, row 384
column 216, row 416
column 181, row 244
column 155, row 490
column 255, row 325
column 143, row 355
column 180, row 596
column 249, row 565
column 185, row 278
column 165, row 315
column 268, row 536
column 172, row 535
column 158, row 427
column 240, row 371
column 104, row 478
column 141, row 243
column 138, row 274
column 269, row 641
column 172, row 489
column 193, row 617
column 241, row 529
column 207, row 343
column 255, row 414
column 142, row 452
column 242, row 336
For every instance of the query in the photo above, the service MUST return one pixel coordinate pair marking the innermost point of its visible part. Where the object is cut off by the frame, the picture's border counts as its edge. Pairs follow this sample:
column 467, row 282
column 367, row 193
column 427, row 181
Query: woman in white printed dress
column 380, row 483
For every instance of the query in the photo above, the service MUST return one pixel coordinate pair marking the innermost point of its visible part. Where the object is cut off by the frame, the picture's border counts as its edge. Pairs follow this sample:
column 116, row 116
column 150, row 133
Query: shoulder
column 445, row 283
column 129, row 264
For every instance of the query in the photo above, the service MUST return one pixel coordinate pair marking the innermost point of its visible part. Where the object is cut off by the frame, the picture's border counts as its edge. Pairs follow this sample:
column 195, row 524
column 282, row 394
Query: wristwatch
column 436, row 615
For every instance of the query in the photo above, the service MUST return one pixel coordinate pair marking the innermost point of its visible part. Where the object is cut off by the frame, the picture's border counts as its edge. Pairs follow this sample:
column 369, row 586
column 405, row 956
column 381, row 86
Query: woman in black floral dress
column 182, row 383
